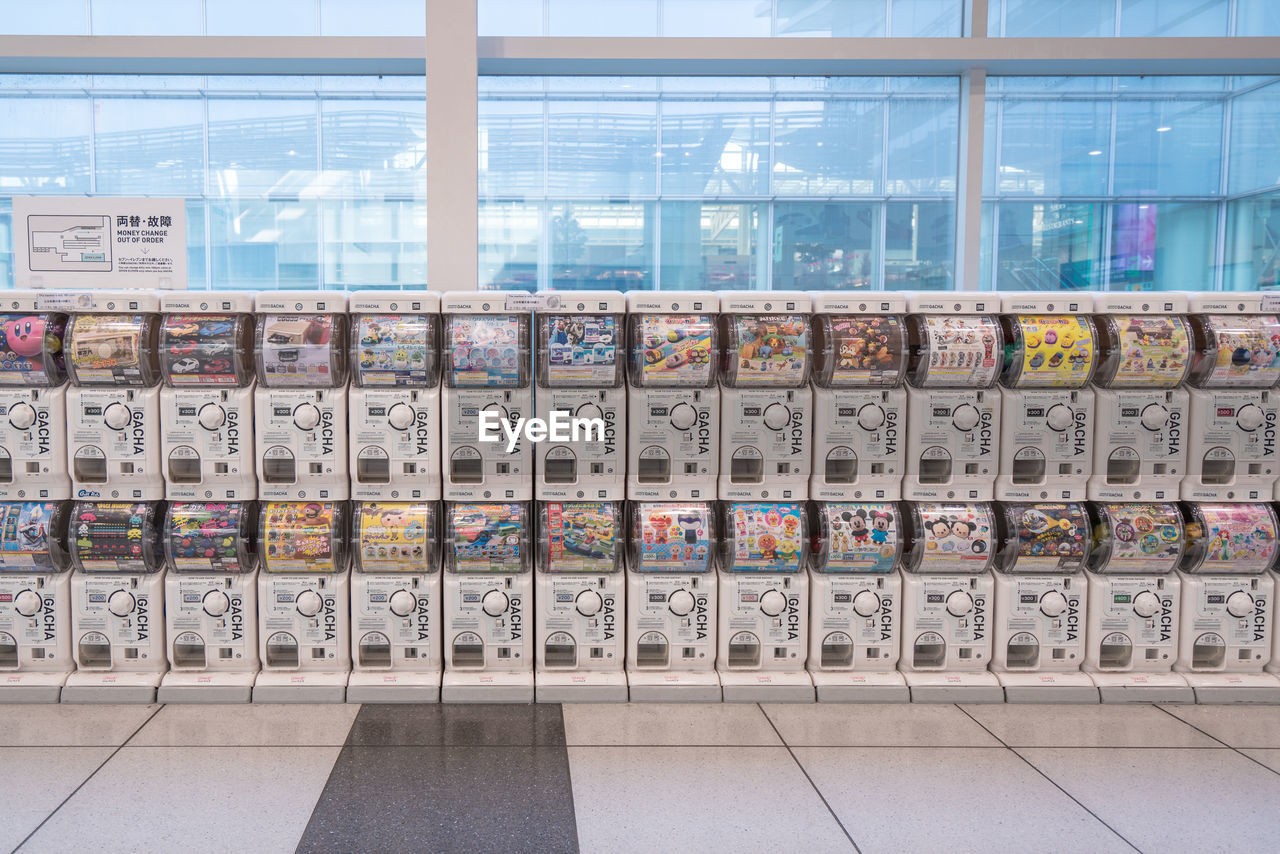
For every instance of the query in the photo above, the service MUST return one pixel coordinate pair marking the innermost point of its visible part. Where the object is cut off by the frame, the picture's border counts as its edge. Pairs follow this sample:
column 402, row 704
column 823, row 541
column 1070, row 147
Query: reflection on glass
column 264, row 245
column 509, row 236
column 374, row 243
column 6, row 244
column 825, row 246
column 146, row 17
column 919, row 246
column 715, row 147
column 1051, row 147
column 602, row 147
column 1128, row 18
column 44, row 145
column 1253, row 244
column 1170, row 148
column 1255, row 145
column 47, row 18
column 600, row 246
column 711, row 246
column 149, row 146
column 828, row 147
column 1162, row 247
column 262, row 146
column 1047, row 246
column 374, row 146
column 511, row 147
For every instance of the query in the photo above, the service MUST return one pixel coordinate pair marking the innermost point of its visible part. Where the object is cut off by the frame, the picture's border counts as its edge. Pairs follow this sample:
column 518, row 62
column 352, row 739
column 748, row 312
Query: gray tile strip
column 448, row 778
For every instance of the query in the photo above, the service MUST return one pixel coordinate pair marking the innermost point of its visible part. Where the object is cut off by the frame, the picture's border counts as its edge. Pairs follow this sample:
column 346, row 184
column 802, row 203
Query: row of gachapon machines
column 974, row 602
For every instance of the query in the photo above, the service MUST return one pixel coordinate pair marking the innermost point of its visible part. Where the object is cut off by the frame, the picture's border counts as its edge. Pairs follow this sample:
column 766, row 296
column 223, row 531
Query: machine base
column 483, row 686
column 32, row 687
column 1143, row 688
column 674, row 686
column 1232, row 688
column 292, row 686
column 1074, row 687
column 766, row 686
column 856, row 686
column 88, row 686
column 975, row 687
column 386, row 686
column 187, row 686
column 581, row 686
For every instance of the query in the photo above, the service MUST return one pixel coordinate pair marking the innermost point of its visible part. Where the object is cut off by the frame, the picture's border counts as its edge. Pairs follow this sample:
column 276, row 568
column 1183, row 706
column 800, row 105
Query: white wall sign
column 76, row 242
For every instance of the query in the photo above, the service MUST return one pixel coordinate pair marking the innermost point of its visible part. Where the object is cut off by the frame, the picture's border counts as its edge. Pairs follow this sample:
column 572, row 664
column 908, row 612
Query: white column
column 973, row 105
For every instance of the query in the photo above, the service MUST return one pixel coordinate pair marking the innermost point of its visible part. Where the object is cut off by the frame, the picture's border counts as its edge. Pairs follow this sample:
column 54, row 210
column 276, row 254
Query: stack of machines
column 488, row 592
column 1050, row 497
column 856, row 602
column 117, row 602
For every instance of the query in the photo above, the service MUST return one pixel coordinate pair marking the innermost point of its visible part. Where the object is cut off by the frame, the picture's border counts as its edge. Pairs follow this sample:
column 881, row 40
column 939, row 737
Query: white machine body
column 300, row 405
column 486, row 621
column 1234, row 408
column 35, row 602
column 396, row 621
column 580, row 621
column 1047, row 416
column 394, row 397
column 855, row 620
column 673, row 404
column 1140, row 446
column 118, row 621
column 304, row 621
column 859, row 405
column 486, row 368
column 953, row 444
column 33, row 401
column 211, row 621
column 1133, row 622
column 1226, row 623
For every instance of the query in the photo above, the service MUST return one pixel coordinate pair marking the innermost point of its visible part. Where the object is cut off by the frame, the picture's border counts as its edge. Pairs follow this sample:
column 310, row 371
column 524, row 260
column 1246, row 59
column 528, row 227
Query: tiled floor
column 640, row 778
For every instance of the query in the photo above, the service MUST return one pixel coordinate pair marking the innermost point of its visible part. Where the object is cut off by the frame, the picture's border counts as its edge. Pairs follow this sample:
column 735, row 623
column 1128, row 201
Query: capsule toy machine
column 947, row 593
column 117, row 602
column 395, row 603
column 300, row 405
column 1228, row 603
column 766, row 423
column 488, row 594
column 304, row 613
column 582, row 396
column 33, row 401
column 394, row 401
column 673, row 402
column 764, row 603
column 35, row 601
column 1047, row 422
column 487, row 397
column 1134, row 603
column 671, row 602
column 211, row 602
column 581, row 602
column 206, row 359
column 859, row 405
column 953, row 446
column 113, row 405
column 855, row 602
column 1140, row 446
column 1041, row 602
column 1234, row 407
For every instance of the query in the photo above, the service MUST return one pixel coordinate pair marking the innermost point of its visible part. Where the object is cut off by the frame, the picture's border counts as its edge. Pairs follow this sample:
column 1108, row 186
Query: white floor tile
column 1086, row 726
column 970, row 799
column 697, row 799
column 249, row 725
column 193, row 800
column 36, row 780
column 1237, row 726
column 641, row 724
column 1169, row 799
column 855, row 725
column 70, row 725
column 1268, row 756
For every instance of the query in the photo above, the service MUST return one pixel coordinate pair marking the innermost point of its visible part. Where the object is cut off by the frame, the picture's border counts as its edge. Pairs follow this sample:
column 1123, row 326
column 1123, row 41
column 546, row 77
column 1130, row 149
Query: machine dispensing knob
column 309, row 603
column 1053, row 603
column 683, row 416
column 121, row 603
column 117, row 416
column 212, row 416
column 681, row 602
column 866, row 603
column 776, row 416
column 306, row 416
column 870, row 417
column 1239, row 604
column 773, row 603
column 965, row 417
column 402, row 603
column 589, row 410
column 27, row 603
column 401, row 416
column 959, row 603
column 495, row 602
column 1154, row 416
column 216, row 603
column 22, row 416
column 1249, row 417
column 1059, row 417
column 1146, row 603
column 589, row 603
